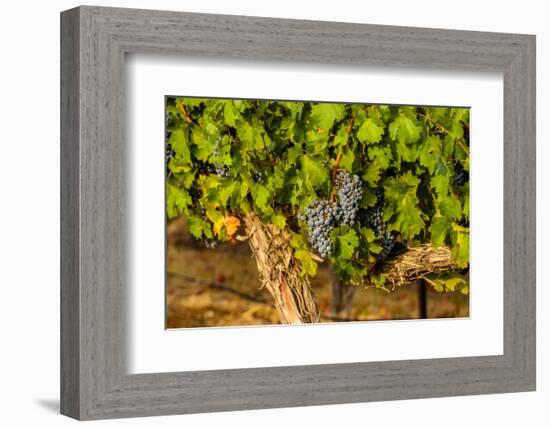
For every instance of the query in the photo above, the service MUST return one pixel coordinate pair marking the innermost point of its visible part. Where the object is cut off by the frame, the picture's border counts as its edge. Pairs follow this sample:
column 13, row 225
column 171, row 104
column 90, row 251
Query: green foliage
column 410, row 152
column 449, row 282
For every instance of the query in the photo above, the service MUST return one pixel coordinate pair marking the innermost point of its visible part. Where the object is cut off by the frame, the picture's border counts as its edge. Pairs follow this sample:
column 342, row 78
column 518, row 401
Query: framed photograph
column 261, row 213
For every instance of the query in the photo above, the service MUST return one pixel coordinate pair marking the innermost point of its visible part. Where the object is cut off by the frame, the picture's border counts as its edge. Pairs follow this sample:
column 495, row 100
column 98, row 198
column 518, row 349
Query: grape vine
column 349, row 182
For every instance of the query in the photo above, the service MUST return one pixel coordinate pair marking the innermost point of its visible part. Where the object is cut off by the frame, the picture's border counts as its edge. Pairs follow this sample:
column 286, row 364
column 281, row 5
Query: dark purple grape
column 461, row 175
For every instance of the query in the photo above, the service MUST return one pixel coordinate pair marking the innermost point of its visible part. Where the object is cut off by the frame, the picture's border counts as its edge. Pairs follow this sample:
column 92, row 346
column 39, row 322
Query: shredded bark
column 416, row 263
column 279, row 272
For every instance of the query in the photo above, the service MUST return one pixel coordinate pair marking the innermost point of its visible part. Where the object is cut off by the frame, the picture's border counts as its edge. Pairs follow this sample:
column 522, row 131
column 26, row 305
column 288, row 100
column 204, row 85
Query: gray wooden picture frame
column 94, row 382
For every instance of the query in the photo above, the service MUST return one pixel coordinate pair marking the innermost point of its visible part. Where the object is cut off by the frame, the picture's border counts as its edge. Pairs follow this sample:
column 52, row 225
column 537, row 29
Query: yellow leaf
column 217, row 228
column 231, row 224
column 216, row 218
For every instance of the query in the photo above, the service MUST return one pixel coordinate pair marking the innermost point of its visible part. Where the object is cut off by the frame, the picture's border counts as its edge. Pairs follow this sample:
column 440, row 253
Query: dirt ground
column 220, row 287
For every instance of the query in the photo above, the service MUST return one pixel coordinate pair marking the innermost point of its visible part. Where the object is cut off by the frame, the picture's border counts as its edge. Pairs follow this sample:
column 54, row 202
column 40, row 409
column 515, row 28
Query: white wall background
column 29, row 212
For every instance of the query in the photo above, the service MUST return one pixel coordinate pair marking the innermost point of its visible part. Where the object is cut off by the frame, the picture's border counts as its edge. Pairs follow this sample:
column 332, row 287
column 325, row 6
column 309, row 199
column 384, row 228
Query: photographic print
column 296, row 212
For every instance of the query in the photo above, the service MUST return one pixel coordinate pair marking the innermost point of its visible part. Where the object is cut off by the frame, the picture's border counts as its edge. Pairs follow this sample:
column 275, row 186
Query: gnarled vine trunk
column 279, row 272
column 416, row 263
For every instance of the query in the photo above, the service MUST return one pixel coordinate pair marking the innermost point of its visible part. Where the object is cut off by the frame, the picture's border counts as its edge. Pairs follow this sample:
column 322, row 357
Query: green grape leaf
column 347, row 159
column 314, row 172
column 441, row 185
column 379, row 281
column 346, row 241
column 180, row 145
column 368, row 200
column 382, row 156
column 278, row 220
column 326, row 114
column 194, row 224
column 249, row 136
column 448, row 146
column 367, row 234
column 430, row 153
column 439, row 230
column 369, row 132
column 231, row 114
column 372, row 174
column 301, row 252
column 460, row 251
column 225, row 191
column 244, row 188
column 204, row 146
column 211, row 129
column 262, row 198
column 448, row 282
column 402, row 207
column 177, row 200
column 450, row 207
column 177, row 166
column 309, row 266
column 456, row 130
column 190, row 103
column 404, row 130
column 341, row 138
column 466, row 206
column 295, row 108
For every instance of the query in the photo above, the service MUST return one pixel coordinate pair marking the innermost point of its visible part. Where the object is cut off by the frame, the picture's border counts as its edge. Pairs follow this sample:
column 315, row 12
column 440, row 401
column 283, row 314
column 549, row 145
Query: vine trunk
column 279, row 272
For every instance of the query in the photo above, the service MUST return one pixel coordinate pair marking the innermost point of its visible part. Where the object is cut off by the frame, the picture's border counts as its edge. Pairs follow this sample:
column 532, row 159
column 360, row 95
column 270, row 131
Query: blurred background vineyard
column 220, row 287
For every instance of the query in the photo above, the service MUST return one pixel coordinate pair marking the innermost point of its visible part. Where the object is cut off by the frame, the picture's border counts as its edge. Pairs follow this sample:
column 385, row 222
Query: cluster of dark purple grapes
column 374, row 219
column 461, row 176
column 204, row 168
column 221, row 170
column 210, row 243
column 322, row 216
column 258, row 177
column 387, row 242
column 350, row 194
column 320, row 220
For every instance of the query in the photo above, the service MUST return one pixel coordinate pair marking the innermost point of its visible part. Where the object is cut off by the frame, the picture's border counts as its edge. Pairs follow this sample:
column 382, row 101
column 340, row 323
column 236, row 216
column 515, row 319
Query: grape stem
column 336, row 164
column 186, row 115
